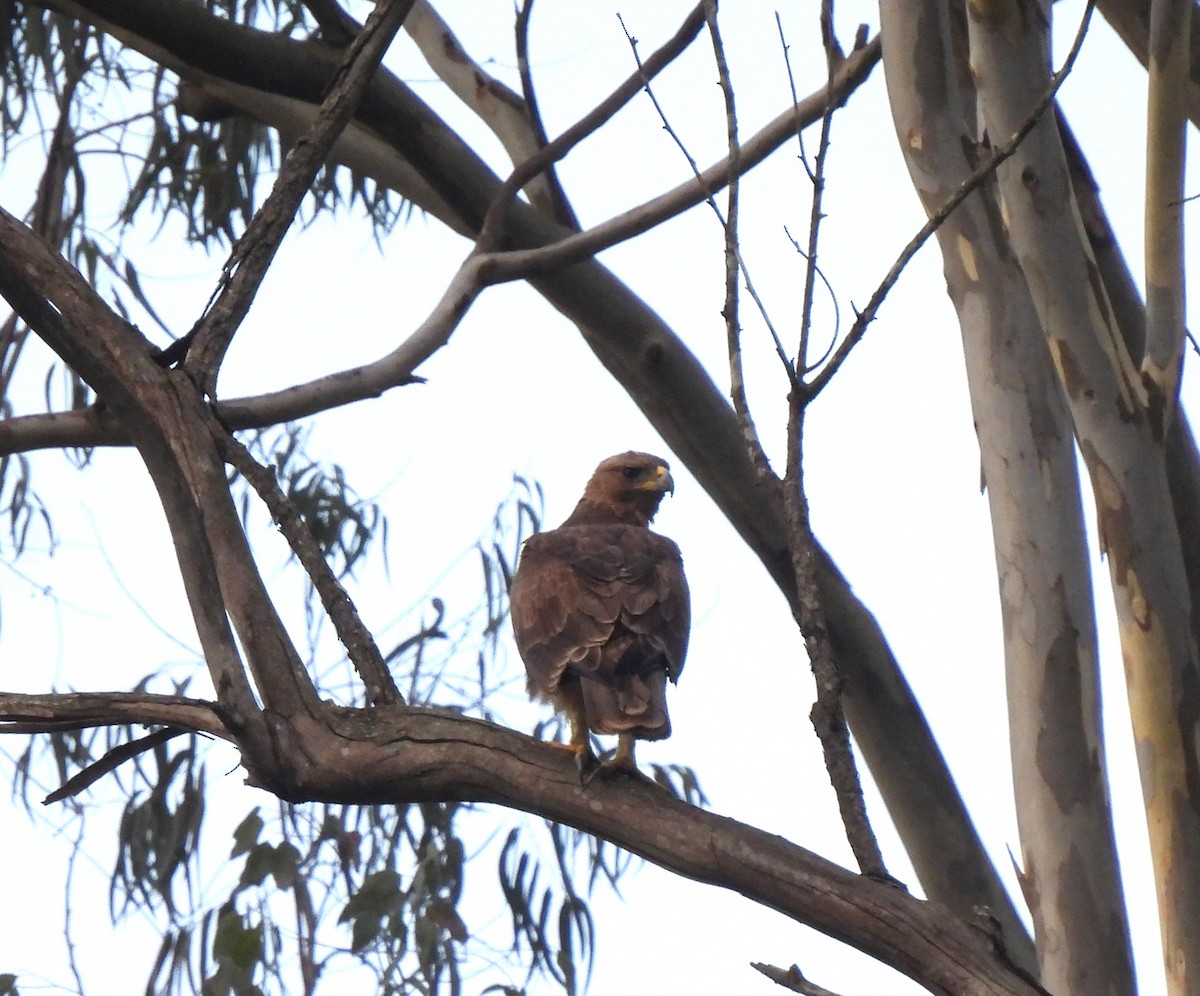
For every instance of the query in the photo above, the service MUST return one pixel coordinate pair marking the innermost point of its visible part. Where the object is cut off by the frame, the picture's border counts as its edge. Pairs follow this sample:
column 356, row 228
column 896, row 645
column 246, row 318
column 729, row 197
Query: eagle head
column 627, row 488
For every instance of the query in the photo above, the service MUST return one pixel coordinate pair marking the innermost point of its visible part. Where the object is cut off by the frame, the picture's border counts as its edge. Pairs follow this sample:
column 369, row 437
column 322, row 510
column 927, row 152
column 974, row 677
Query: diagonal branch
column 356, row 638
column 247, row 265
column 389, row 756
column 520, row 263
column 166, row 418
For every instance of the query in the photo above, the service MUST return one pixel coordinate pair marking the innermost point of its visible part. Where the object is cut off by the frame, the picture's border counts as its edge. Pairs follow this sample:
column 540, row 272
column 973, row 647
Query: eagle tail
column 634, row 703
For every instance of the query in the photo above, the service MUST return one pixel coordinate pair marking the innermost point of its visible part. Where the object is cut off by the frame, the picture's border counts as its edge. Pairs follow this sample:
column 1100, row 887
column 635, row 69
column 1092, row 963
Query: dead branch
column 25, row 714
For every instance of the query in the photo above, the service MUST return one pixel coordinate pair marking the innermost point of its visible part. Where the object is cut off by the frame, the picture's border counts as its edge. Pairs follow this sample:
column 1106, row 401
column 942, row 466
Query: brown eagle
column 600, row 610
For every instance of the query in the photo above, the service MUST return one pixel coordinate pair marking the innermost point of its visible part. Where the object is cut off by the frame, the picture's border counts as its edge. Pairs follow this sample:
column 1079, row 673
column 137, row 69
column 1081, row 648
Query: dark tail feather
column 634, row 704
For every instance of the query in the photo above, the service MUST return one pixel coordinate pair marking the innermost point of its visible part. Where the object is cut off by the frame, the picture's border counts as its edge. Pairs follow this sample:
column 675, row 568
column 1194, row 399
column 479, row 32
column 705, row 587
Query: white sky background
column 893, row 472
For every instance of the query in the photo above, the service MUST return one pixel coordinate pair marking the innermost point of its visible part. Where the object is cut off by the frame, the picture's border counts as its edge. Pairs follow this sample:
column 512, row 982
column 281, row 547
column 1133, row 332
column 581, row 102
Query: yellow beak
column 662, row 481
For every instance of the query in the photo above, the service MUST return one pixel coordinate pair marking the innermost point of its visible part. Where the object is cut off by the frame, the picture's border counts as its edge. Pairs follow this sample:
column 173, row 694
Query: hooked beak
column 662, row 482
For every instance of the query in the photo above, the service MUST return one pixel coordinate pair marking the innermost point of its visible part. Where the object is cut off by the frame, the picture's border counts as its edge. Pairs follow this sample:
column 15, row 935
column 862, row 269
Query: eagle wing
column 606, row 606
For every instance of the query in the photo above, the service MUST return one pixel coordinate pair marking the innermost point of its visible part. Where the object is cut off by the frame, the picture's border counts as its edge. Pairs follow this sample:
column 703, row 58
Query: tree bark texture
column 1069, row 871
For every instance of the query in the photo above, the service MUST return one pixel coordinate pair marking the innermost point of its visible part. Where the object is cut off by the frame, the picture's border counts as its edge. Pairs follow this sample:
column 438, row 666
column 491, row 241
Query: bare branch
column 246, row 268
column 828, row 714
column 506, row 113
column 22, row 713
column 733, row 326
column 356, row 638
column 97, row 426
column 559, row 207
column 817, row 177
column 518, row 264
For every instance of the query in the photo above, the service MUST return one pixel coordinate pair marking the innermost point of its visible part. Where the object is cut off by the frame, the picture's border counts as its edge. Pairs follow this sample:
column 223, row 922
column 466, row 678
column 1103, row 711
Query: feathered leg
column 624, row 758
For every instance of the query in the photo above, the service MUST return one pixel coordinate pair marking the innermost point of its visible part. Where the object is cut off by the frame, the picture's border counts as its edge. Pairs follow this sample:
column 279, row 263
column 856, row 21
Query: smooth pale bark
column 1124, row 459
column 1166, row 147
column 1182, row 454
column 1070, row 872
column 444, row 176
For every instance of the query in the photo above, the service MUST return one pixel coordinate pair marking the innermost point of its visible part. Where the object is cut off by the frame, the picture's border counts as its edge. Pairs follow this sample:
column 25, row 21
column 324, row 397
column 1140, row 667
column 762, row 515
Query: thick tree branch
column 1121, row 447
column 506, row 113
column 399, row 755
column 166, row 417
column 558, row 206
column 1131, row 20
column 1042, row 561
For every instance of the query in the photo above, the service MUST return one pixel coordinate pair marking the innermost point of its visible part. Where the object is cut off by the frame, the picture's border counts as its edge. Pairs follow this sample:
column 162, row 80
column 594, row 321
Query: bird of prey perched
column 600, row 610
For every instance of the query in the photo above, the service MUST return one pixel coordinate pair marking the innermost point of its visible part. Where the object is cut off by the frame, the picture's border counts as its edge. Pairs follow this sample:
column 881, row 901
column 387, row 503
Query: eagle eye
column 630, row 473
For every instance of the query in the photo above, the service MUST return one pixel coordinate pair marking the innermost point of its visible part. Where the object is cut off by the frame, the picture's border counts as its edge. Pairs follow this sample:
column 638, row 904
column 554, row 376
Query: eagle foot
column 619, row 767
column 586, row 763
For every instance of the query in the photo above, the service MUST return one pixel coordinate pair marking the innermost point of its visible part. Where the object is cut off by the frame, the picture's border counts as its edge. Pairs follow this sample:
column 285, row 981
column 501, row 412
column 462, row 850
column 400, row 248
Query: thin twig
column 817, row 175
column 828, row 715
column 709, row 196
column 70, row 899
column 966, row 188
column 356, row 638
column 833, row 301
column 733, row 329
column 791, row 77
column 564, row 214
